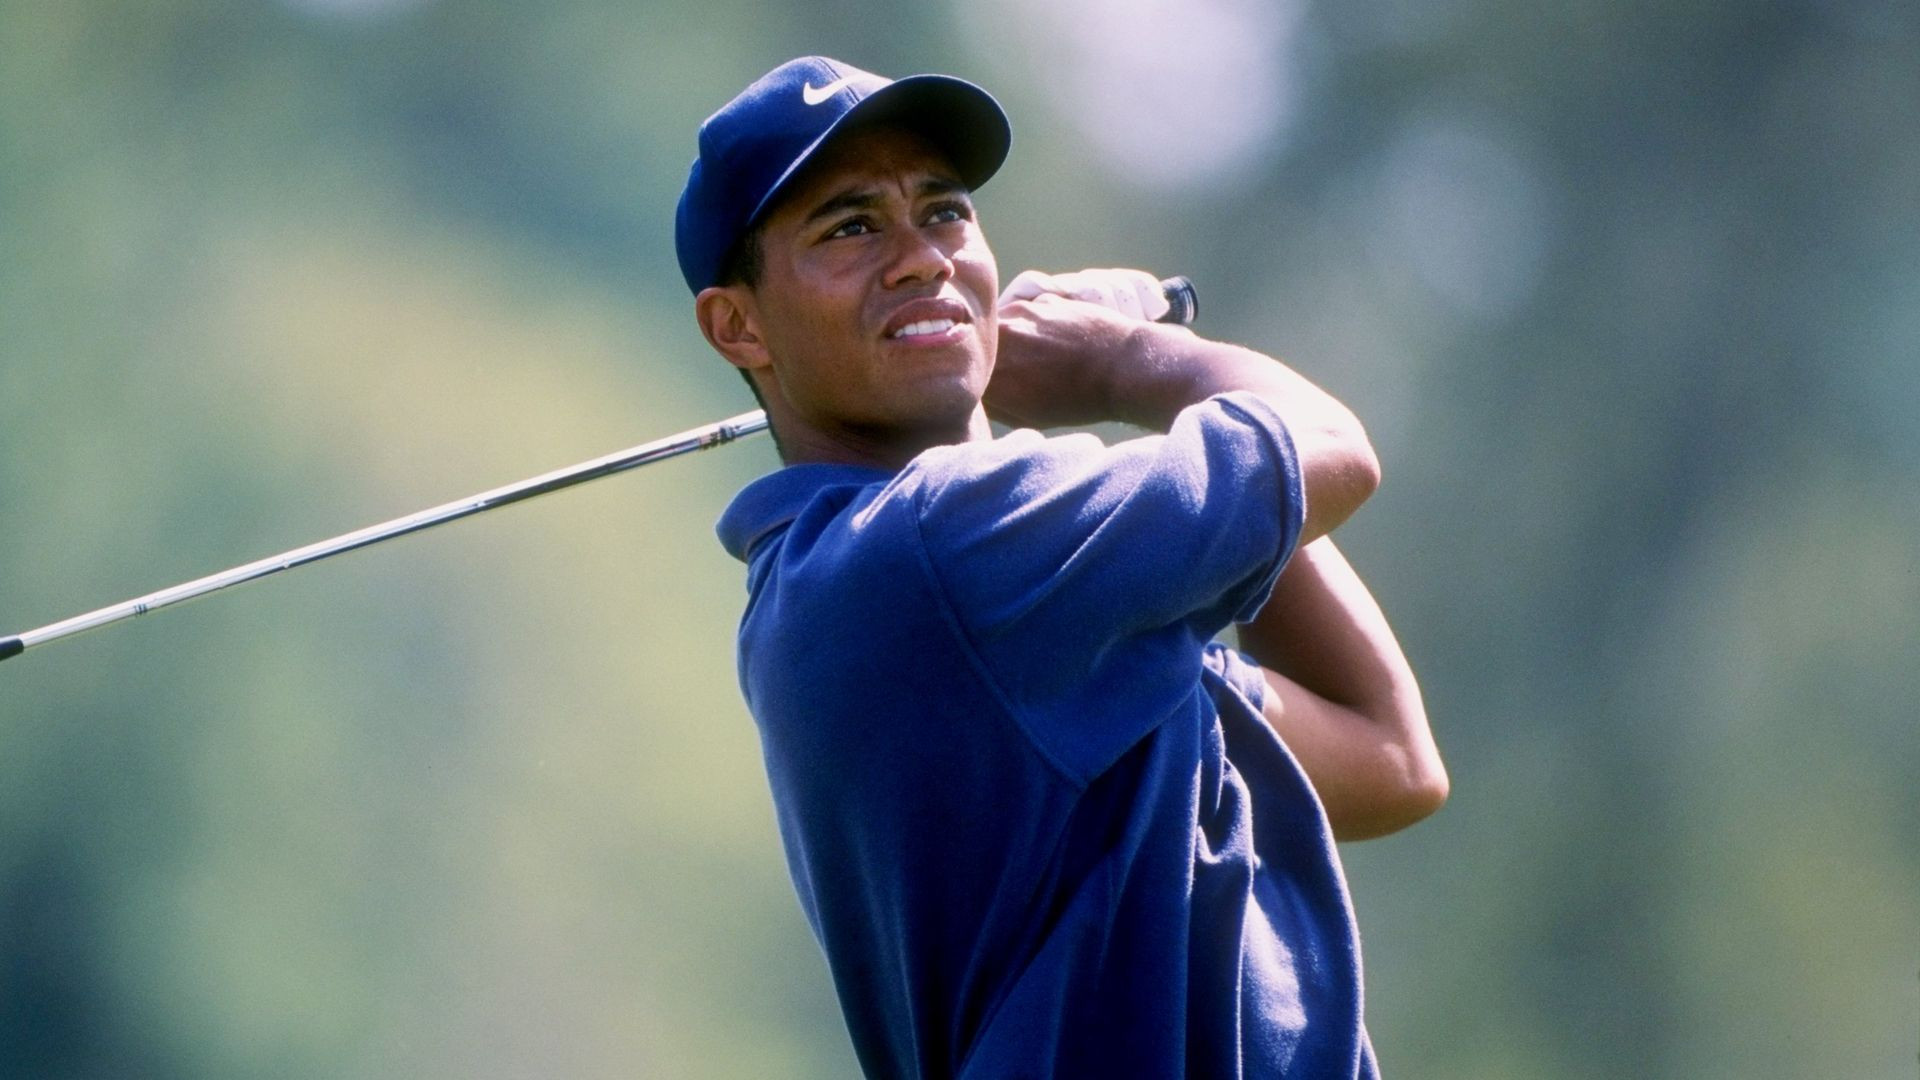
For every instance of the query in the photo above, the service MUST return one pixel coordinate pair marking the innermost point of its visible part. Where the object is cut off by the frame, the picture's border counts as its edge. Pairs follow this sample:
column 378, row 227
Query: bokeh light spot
column 1464, row 212
column 1171, row 94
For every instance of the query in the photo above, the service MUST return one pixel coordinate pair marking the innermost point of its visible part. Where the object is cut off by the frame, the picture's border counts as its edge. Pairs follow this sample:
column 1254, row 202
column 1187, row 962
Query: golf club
column 1183, row 306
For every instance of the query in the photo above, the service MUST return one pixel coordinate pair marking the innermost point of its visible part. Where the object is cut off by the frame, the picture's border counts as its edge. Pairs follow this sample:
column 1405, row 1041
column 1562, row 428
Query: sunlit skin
column 877, row 235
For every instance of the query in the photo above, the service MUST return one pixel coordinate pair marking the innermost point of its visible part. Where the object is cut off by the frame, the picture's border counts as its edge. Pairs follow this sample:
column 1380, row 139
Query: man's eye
column 947, row 212
column 851, row 227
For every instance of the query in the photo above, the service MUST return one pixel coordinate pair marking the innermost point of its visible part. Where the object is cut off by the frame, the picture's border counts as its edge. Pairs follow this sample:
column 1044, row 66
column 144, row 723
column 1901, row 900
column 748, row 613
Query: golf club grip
column 1183, row 303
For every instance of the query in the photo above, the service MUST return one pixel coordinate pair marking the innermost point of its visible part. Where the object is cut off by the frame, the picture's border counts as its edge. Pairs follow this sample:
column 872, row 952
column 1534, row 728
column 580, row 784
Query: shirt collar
column 771, row 503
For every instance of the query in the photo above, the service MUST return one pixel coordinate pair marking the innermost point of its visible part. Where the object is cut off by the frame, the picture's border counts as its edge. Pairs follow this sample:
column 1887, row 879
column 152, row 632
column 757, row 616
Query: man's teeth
column 924, row 327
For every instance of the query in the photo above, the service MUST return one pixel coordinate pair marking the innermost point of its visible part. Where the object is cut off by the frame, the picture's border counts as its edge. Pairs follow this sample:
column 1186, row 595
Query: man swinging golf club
column 1042, row 825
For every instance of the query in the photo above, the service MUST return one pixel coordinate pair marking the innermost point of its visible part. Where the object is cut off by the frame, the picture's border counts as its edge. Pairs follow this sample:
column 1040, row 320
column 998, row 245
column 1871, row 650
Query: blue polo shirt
column 1030, row 807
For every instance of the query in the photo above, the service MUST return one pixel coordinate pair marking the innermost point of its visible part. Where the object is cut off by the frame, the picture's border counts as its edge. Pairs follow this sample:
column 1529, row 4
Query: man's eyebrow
column 941, row 185
column 867, row 198
column 856, row 199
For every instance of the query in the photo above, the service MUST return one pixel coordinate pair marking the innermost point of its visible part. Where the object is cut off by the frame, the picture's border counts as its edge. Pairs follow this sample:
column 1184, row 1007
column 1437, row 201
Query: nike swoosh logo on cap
column 816, row 97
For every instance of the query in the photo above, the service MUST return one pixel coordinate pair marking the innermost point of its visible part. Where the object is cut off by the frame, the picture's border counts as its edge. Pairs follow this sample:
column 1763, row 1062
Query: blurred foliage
column 1629, row 295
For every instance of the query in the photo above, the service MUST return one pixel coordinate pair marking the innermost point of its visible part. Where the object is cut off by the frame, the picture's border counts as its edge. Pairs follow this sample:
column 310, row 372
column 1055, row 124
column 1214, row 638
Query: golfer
column 1041, row 823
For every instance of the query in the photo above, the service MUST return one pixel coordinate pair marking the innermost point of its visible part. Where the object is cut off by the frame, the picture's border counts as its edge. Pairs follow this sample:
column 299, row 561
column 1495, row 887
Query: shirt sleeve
column 1087, row 576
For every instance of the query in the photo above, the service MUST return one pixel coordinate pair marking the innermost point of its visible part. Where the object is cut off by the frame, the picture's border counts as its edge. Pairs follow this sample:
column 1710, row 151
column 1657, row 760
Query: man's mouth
column 929, row 320
column 923, row 328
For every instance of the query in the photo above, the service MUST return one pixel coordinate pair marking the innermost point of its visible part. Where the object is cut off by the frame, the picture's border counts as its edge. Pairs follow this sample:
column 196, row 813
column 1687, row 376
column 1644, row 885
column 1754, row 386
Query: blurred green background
column 1628, row 294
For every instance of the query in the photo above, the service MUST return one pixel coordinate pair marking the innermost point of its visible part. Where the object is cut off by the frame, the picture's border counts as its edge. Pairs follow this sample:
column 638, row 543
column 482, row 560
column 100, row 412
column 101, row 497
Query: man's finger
column 1029, row 284
column 1133, row 293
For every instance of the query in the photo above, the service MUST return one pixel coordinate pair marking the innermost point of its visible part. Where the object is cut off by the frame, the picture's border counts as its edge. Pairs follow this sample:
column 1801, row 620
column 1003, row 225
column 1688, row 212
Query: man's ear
column 731, row 321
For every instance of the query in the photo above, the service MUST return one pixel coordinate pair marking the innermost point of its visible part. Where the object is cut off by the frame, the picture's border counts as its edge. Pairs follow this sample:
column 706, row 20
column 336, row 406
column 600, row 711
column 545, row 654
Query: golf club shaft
column 698, row 438
column 1183, row 307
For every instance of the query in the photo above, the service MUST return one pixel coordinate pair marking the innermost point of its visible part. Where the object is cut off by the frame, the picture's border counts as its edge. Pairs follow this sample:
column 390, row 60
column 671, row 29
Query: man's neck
column 888, row 449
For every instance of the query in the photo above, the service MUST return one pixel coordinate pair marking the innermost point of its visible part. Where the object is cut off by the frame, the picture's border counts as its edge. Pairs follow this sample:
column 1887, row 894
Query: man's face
column 876, row 299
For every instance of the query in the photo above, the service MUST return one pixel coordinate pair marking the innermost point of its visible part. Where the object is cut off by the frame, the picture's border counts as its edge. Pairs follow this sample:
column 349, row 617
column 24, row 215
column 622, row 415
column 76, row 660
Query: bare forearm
column 1064, row 362
column 1344, row 698
column 1323, row 629
column 1174, row 368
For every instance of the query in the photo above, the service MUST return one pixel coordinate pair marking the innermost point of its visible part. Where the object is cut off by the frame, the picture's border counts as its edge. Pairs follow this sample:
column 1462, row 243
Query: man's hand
column 1057, row 361
column 1062, row 339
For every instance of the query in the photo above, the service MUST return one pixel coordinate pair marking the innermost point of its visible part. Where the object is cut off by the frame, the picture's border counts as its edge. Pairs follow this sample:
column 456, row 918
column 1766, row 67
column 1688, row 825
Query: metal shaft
column 698, row 438
column 1183, row 305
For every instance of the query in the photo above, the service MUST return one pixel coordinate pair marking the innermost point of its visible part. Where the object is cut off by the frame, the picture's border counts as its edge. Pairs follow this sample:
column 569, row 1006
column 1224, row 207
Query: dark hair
column 742, row 264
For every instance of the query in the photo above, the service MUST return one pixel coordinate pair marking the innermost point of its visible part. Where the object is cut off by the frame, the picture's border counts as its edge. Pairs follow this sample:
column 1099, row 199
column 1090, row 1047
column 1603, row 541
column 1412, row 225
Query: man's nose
column 917, row 257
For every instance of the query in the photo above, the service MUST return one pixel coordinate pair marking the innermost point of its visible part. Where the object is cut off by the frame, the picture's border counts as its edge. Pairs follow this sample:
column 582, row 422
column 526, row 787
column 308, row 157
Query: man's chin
column 941, row 415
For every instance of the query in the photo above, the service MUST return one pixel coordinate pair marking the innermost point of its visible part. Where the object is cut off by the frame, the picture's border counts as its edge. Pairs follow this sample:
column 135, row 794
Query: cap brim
column 959, row 118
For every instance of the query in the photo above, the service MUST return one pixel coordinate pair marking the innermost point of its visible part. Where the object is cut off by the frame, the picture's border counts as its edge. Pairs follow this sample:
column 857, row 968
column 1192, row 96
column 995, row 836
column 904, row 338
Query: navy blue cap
column 760, row 139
